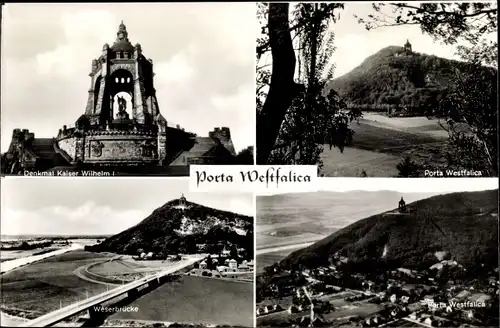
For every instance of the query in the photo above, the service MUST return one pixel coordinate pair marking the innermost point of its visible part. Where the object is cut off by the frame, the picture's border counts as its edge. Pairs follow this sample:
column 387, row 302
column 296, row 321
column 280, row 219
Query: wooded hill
column 191, row 228
column 394, row 79
column 464, row 225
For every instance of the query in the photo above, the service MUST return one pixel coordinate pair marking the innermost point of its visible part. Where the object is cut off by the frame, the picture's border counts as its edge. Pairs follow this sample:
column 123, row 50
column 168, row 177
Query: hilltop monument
column 407, row 47
column 121, row 127
column 402, row 205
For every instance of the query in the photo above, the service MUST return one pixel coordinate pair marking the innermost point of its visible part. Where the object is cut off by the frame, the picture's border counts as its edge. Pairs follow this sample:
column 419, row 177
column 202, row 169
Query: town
column 439, row 296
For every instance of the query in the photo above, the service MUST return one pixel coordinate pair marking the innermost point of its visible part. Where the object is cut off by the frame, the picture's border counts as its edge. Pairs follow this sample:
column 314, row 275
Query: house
column 243, row 267
column 449, row 309
column 143, row 255
column 277, row 307
column 269, row 309
column 259, row 311
column 203, row 265
column 393, row 298
column 413, row 316
column 429, row 321
column 149, row 255
column 233, row 264
column 250, row 264
column 222, row 268
column 404, row 299
column 394, row 312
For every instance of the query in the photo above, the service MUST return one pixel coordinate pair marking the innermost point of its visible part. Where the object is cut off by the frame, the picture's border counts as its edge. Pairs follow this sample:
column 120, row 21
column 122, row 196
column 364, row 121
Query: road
column 70, row 310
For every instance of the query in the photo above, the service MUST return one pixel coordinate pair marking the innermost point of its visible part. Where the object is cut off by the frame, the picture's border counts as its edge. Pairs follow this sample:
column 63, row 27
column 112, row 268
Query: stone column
column 100, row 97
column 80, row 149
column 90, row 103
column 162, row 140
column 139, row 103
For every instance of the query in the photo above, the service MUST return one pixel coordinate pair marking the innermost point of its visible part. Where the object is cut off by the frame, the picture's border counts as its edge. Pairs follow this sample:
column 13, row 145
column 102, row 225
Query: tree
column 233, row 252
column 210, row 263
column 471, row 109
column 245, row 156
column 444, row 21
column 282, row 88
column 312, row 116
column 447, row 22
column 470, row 106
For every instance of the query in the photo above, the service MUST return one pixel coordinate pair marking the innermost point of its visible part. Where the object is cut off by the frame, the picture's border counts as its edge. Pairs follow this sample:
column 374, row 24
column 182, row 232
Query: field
column 196, row 300
column 267, row 259
column 7, row 255
column 379, row 144
column 44, row 286
column 118, row 267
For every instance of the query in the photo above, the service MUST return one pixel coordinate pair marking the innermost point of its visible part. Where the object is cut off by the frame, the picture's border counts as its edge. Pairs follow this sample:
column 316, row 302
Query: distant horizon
column 379, row 191
column 53, row 235
column 65, row 206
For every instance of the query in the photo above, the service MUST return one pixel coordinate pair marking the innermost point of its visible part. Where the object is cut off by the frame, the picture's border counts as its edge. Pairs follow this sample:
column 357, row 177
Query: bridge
column 131, row 289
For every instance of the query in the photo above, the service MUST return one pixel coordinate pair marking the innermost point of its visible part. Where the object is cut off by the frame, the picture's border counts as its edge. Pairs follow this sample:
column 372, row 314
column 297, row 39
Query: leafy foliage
column 245, row 156
column 157, row 233
column 447, row 22
column 472, row 102
column 314, row 116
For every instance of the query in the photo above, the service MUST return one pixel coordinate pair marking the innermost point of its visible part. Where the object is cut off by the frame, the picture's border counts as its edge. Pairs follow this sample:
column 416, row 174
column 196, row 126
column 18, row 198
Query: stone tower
column 407, row 47
column 122, row 68
column 182, row 200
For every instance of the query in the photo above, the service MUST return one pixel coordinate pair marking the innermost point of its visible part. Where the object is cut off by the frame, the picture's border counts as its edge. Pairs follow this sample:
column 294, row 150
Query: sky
column 354, row 43
column 69, row 206
column 203, row 55
column 414, row 185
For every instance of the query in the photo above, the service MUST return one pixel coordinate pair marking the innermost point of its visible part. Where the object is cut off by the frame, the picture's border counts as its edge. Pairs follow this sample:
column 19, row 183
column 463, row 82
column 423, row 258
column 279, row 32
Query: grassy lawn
column 115, row 267
column 264, row 260
column 377, row 150
column 43, row 286
column 196, row 300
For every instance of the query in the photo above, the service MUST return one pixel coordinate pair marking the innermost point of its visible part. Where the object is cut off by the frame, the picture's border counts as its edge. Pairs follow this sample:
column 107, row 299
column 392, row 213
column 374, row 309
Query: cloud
column 97, row 206
column 88, row 218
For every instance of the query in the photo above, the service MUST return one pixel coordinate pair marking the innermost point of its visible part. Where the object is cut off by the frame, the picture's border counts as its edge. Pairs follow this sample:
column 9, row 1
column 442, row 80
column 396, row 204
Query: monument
column 407, row 47
column 402, row 205
column 121, row 127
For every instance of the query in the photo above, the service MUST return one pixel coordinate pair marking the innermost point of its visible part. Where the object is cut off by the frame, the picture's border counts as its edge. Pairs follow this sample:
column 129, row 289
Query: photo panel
column 126, row 89
column 378, row 89
column 379, row 252
column 125, row 252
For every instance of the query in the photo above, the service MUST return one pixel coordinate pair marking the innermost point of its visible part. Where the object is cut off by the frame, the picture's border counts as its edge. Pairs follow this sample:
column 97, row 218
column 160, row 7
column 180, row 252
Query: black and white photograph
column 366, row 89
column 96, row 89
column 124, row 252
column 373, row 254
